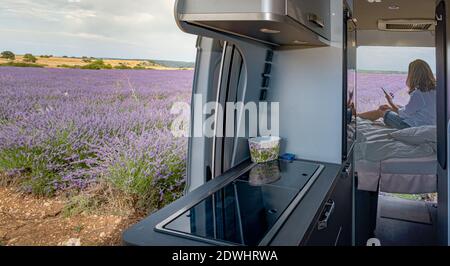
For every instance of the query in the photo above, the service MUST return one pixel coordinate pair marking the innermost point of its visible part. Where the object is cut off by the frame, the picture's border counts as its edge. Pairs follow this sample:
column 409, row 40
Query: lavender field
column 370, row 96
column 66, row 129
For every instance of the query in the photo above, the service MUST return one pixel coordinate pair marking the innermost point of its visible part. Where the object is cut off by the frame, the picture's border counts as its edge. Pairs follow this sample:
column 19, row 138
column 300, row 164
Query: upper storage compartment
column 276, row 22
column 313, row 14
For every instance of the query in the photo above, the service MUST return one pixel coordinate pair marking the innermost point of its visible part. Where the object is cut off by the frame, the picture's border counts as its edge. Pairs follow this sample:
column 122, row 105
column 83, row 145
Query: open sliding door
column 220, row 79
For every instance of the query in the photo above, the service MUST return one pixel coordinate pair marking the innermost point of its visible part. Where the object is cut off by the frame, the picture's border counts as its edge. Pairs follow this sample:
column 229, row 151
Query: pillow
column 416, row 135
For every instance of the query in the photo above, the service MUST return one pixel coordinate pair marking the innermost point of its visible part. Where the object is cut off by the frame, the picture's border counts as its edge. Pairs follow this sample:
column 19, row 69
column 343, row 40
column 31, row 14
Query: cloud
column 147, row 25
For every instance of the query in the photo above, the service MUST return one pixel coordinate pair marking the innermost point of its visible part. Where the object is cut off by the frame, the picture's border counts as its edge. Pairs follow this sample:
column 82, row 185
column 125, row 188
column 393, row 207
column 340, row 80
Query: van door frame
column 443, row 129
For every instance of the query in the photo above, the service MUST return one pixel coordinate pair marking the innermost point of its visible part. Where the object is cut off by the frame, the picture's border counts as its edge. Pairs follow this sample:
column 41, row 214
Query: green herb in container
column 264, row 149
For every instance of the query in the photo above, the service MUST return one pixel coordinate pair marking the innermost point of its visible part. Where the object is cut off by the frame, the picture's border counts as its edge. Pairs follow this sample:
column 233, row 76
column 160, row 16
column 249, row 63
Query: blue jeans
column 392, row 119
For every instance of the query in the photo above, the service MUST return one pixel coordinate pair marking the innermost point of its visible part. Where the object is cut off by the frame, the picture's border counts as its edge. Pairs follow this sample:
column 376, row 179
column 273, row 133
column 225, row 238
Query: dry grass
column 9, row 180
column 100, row 198
column 55, row 62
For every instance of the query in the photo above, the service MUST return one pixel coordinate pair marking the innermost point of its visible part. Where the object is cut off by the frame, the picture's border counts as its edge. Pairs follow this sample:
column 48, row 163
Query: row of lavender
column 68, row 129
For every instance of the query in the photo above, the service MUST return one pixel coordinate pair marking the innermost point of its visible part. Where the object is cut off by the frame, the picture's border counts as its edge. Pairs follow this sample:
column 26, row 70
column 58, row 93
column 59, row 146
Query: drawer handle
column 328, row 211
column 313, row 18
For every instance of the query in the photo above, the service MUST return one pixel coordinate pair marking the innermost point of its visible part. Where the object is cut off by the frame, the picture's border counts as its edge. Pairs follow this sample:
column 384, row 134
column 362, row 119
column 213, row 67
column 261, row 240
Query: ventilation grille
column 407, row 25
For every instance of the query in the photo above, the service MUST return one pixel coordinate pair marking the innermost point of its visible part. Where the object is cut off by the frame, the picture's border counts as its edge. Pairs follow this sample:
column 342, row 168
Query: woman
column 421, row 109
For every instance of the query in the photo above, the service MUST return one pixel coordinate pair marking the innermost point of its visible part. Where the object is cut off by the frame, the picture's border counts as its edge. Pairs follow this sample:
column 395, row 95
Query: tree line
column 29, row 58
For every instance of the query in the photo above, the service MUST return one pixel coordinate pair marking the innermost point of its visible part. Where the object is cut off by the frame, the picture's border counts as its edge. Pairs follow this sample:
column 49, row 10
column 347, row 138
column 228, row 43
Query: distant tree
column 8, row 55
column 29, row 58
column 85, row 59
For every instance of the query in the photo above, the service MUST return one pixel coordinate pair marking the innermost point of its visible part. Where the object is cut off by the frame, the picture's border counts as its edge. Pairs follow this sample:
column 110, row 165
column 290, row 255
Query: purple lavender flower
column 71, row 127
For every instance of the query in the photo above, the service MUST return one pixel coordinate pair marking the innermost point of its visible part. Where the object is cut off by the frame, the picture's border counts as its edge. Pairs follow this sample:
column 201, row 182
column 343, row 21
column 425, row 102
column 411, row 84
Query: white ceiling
column 368, row 14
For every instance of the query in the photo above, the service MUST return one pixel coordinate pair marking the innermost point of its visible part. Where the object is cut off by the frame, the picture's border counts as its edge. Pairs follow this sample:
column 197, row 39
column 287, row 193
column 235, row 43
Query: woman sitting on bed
column 421, row 109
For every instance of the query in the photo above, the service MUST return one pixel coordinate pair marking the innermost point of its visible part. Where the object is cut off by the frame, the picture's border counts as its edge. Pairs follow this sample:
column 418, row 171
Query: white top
column 421, row 109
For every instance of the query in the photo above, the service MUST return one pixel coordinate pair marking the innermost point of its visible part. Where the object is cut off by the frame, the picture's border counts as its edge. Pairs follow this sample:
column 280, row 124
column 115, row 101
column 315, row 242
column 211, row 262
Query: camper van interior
column 337, row 168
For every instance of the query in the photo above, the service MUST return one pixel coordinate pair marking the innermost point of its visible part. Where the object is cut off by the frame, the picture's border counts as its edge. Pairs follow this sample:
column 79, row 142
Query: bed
column 396, row 161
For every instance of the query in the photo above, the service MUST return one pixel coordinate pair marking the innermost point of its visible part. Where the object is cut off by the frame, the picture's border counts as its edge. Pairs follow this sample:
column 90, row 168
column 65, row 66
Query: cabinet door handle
column 328, row 211
column 313, row 18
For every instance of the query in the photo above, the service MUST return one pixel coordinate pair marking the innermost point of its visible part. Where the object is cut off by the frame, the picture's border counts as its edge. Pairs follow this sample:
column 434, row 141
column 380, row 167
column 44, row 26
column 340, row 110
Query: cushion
column 416, row 135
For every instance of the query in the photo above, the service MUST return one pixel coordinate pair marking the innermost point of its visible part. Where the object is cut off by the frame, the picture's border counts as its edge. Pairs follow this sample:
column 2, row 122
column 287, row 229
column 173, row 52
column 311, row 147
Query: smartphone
column 387, row 94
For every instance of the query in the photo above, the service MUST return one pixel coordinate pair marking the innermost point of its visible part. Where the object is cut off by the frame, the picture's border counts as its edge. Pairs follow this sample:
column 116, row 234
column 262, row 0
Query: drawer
column 328, row 229
column 315, row 15
column 333, row 226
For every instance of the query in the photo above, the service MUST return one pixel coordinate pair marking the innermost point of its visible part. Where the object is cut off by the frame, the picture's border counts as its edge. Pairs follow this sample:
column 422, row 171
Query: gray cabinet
column 333, row 225
column 301, row 23
column 313, row 14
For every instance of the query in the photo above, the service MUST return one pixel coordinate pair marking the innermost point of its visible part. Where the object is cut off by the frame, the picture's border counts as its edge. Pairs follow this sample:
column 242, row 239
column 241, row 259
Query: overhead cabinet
column 276, row 22
column 313, row 14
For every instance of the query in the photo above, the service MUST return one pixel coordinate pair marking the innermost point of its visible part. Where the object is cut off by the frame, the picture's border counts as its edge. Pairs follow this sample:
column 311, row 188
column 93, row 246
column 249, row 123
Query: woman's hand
column 383, row 109
column 392, row 105
column 389, row 98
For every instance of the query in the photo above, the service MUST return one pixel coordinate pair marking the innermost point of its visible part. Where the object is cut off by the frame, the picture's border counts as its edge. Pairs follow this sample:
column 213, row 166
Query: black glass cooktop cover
column 244, row 211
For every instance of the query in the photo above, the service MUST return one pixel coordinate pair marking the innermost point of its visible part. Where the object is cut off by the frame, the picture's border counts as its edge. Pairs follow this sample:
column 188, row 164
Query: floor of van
column 404, row 222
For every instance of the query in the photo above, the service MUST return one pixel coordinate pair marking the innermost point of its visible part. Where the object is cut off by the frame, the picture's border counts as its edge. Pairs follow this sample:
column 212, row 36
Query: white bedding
column 377, row 143
column 396, row 161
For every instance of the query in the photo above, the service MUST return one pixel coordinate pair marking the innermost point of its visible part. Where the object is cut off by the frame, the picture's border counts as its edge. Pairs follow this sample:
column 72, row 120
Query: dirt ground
column 29, row 221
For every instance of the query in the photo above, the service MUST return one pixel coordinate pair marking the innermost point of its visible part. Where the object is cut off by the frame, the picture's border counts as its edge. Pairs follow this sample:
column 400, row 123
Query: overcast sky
column 100, row 28
column 393, row 58
column 131, row 29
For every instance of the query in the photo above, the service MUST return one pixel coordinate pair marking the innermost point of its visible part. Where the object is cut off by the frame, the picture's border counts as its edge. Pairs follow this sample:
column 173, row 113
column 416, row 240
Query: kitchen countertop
column 291, row 233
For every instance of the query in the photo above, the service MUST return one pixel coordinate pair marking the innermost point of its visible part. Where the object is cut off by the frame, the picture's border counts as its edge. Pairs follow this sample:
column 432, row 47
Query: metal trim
column 192, row 129
column 216, row 115
column 232, row 16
